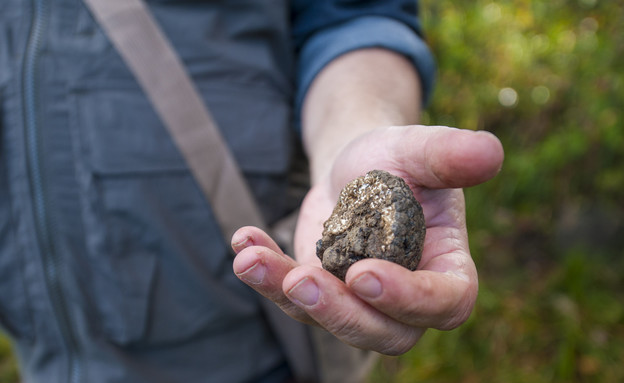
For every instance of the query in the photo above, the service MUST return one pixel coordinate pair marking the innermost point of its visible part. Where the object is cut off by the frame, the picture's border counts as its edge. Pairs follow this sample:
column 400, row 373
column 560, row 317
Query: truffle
column 376, row 216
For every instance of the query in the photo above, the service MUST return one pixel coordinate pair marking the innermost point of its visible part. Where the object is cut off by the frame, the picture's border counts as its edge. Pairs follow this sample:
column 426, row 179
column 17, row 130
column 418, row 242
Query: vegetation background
column 547, row 234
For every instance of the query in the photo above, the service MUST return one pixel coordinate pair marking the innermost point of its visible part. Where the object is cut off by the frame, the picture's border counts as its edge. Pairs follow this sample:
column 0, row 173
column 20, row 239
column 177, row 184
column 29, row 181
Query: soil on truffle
column 376, row 216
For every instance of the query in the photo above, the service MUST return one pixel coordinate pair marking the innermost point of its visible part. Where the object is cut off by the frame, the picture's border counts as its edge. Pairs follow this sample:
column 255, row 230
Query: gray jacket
column 112, row 267
column 109, row 255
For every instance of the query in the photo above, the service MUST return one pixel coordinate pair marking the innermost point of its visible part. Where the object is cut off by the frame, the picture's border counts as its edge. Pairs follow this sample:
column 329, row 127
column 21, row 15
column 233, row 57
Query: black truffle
column 376, row 216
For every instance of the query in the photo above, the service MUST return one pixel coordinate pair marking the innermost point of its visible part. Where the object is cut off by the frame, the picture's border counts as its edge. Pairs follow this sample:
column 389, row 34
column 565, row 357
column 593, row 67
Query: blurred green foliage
column 547, row 234
column 8, row 365
column 547, row 77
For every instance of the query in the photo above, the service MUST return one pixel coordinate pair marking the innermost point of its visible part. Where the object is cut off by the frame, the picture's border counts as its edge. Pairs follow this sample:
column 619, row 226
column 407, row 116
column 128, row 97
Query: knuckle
column 461, row 312
column 344, row 326
column 400, row 343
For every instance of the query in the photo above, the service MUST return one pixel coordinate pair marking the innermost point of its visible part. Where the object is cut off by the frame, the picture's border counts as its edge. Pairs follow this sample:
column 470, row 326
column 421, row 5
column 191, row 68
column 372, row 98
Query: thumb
column 439, row 157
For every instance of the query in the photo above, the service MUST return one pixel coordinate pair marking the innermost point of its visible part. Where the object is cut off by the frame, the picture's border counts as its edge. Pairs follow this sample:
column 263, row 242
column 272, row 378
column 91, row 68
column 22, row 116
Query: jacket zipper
column 43, row 220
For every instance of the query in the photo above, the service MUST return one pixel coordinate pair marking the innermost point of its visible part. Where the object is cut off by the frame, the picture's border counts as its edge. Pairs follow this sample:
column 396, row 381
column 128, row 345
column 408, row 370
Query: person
column 112, row 266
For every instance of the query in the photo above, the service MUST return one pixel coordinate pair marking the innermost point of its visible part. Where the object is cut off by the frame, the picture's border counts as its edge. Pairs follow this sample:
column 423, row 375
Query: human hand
column 382, row 306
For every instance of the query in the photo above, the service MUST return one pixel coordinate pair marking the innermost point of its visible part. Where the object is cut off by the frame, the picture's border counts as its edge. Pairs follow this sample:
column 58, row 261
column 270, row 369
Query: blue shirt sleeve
column 311, row 16
column 325, row 29
column 363, row 32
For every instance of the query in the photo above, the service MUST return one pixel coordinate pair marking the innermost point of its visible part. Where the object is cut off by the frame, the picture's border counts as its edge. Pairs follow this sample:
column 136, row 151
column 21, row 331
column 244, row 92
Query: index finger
column 421, row 298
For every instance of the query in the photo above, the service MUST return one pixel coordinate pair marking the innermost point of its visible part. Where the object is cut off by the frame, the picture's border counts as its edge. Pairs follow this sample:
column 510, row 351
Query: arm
column 357, row 92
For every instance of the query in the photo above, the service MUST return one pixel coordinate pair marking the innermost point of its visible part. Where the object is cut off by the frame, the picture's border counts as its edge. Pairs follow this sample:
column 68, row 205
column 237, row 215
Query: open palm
column 383, row 306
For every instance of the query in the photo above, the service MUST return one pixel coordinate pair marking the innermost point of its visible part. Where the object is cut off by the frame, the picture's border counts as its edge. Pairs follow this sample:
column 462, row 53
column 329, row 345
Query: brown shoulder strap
column 159, row 71
column 153, row 61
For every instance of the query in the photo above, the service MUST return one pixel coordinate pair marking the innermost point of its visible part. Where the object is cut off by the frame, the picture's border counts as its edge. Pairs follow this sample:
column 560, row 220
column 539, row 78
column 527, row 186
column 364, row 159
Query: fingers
column 382, row 307
column 441, row 294
column 252, row 236
column 314, row 296
column 336, row 308
column 424, row 298
column 262, row 265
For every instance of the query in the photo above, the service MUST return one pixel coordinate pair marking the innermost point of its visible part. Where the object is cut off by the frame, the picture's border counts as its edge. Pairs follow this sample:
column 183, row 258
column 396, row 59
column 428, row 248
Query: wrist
column 359, row 91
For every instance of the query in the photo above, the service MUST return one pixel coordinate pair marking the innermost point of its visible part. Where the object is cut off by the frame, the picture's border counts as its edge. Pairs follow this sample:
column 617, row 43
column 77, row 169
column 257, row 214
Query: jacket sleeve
column 325, row 29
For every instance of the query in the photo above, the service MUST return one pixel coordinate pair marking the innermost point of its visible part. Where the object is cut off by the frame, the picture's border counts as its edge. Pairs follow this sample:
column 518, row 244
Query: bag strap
column 162, row 76
column 158, row 69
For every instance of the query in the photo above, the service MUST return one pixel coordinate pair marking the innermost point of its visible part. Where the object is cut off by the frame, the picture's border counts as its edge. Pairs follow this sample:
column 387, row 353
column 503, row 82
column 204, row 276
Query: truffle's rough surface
column 376, row 216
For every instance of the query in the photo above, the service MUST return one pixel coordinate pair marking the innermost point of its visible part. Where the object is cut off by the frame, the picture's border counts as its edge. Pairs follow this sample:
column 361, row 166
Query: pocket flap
column 124, row 134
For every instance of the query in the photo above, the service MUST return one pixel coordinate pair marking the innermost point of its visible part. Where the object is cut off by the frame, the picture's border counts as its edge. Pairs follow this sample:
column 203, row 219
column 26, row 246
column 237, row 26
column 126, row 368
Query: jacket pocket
column 15, row 312
column 162, row 271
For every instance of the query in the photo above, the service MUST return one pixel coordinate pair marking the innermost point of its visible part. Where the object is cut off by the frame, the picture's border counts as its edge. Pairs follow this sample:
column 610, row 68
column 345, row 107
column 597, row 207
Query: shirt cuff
column 363, row 32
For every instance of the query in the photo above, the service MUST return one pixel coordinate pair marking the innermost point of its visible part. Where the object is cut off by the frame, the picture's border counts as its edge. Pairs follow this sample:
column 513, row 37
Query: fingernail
column 305, row 292
column 254, row 275
column 241, row 244
column 367, row 285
